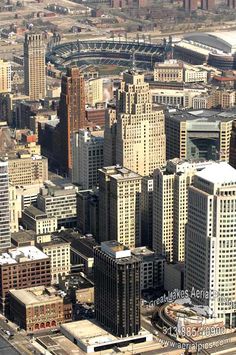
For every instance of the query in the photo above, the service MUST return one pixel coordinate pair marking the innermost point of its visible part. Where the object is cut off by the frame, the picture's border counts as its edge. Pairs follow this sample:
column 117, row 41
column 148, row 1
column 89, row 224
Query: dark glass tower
column 117, row 289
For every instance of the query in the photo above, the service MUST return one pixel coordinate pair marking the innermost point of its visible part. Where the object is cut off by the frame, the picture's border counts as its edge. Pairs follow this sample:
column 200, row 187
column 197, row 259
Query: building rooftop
column 218, row 173
column 83, row 244
column 120, row 173
column 203, row 116
column 36, row 295
column 21, row 254
column 89, row 333
column 53, row 242
column 22, row 237
column 35, row 212
column 115, row 249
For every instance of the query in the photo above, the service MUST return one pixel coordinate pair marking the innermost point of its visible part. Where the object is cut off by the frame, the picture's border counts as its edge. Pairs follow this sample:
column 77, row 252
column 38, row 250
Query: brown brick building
column 38, row 308
column 21, row 268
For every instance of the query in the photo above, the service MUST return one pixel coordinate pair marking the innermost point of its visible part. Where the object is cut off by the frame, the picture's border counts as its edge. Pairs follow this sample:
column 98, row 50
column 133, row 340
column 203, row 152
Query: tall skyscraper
column 71, row 112
column 190, row 5
column 120, row 205
column 170, row 206
column 87, row 157
column 117, row 288
column 34, row 66
column 136, row 138
column 5, row 234
column 5, row 76
column 211, row 239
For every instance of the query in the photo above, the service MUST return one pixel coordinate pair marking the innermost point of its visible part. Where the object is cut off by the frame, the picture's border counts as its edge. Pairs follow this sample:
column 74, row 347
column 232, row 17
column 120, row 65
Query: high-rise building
column 34, row 66
column 198, row 134
column 136, row 138
column 120, row 205
column 5, row 76
column 232, row 156
column 170, row 207
column 146, row 211
column 208, row 5
column 94, row 91
column 190, row 5
column 5, row 232
column 71, row 112
column 211, row 240
column 87, row 157
column 117, row 292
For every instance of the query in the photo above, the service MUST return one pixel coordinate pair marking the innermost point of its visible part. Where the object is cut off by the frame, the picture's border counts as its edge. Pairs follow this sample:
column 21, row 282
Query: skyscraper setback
column 135, row 138
column 71, row 112
column 34, row 66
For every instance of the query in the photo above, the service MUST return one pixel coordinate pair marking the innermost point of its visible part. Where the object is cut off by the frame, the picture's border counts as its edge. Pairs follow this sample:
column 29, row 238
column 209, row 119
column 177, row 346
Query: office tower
column 170, row 70
column 34, row 66
column 231, row 4
column 190, row 5
column 203, row 134
column 211, row 240
column 71, row 112
column 5, row 233
column 136, row 138
column 87, row 157
column 170, row 206
column 146, row 210
column 117, row 292
column 208, row 5
column 5, row 76
column 232, row 156
column 119, row 205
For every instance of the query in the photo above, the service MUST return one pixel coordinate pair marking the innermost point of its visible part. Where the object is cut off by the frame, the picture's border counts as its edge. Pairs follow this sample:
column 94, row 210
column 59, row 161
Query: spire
column 133, row 63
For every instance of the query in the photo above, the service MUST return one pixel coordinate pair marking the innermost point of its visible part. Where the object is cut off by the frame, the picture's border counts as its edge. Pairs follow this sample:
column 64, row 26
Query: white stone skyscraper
column 5, row 234
column 211, row 240
column 136, row 138
column 170, row 206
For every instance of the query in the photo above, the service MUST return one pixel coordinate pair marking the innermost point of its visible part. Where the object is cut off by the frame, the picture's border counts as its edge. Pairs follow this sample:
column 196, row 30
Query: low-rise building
column 58, row 250
column 38, row 221
column 23, row 238
column 20, row 268
column 38, row 308
column 59, row 201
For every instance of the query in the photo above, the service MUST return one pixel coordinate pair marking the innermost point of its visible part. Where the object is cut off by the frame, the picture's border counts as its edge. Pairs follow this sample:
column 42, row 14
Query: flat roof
column 218, row 173
column 21, row 254
column 36, row 295
column 90, row 333
column 203, row 115
column 23, row 236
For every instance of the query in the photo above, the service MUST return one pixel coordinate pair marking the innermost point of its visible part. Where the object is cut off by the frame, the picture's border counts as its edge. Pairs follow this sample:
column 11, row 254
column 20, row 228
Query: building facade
column 139, row 131
column 5, row 231
column 117, row 293
column 201, row 134
column 5, row 76
column 120, row 205
column 71, row 113
column 34, row 66
column 210, row 240
column 21, row 268
column 87, row 158
column 58, row 251
column 170, row 207
column 38, row 308
column 38, row 221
